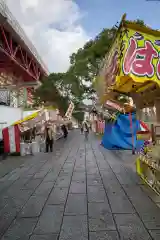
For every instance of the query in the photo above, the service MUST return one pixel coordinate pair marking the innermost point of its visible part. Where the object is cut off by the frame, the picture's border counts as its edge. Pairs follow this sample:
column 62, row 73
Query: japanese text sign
column 111, row 65
column 140, row 57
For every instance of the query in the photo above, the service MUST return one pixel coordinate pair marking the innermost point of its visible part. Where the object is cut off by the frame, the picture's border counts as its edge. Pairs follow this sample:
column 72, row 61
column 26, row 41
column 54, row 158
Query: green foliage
column 86, row 62
column 53, row 92
column 79, row 115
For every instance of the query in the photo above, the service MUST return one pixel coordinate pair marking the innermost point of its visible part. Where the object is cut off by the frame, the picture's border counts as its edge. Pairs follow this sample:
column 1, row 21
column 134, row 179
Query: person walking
column 81, row 127
column 65, row 131
column 86, row 130
column 49, row 138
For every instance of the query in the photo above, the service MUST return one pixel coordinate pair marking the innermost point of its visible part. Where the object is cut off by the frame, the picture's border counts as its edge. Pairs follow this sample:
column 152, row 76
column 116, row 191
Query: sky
column 57, row 28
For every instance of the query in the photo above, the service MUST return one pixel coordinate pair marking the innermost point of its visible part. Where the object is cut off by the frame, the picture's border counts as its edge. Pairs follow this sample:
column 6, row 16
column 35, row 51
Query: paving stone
column 146, row 208
column 79, row 169
column 103, row 166
column 96, row 194
column 65, row 173
column 40, row 174
column 104, row 222
column 50, row 220
column 94, row 176
column 74, row 228
column 20, row 229
column 58, row 196
column 151, row 194
column 92, row 180
column 117, row 195
column 151, row 219
column 67, row 170
column 63, row 181
column 83, row 181
column 76, row 204
column 92, row 171
column 79, row 176
column 124, row 178
column 130, row 227
column 77, row 187
column 44, row 237
column 68, row 165
column 5, row 185
column 50, row 177
column 120, row 204
column 34, row 169
column 104, row 235
column 7, row 215
column 97, row 210
column 14, row 176
column 33, row 207
column 44, row 189
column 90, row 165
column 16, row 198
column 32, row 184
column 19, row 184
column 155, row 234
column 109, row 179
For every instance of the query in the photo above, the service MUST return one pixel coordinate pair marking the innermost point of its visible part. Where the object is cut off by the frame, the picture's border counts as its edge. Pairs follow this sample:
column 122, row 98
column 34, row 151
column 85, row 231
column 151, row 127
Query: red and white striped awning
column 11, row 137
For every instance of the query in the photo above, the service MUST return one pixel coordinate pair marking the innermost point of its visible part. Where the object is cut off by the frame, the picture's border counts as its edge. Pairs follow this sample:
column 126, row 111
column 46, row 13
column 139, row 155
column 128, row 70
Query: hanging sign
column 140, row 56
column 69, row 110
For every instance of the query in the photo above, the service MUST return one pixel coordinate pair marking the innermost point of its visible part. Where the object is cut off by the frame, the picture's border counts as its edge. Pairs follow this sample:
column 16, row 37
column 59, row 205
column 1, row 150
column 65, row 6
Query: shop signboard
column 140, row 55
column 109, row 71
column 132, row 64
column 111, row 64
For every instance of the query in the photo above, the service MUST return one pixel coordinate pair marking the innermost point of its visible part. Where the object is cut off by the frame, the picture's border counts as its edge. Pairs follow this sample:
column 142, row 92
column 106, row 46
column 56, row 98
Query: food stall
column 132, row 68
column 26, row 136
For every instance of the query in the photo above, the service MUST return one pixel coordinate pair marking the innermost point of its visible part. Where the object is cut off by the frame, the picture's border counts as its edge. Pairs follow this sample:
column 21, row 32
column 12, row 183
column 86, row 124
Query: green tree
column 79, row 115
column 86, row 62
column 53, row 92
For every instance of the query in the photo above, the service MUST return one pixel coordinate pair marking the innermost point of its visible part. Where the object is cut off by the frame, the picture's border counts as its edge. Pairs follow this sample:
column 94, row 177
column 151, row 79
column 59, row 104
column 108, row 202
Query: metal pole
column 131, row 127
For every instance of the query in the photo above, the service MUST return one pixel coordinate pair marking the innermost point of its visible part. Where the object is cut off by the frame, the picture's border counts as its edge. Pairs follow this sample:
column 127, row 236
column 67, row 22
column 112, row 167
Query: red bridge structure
column 21, row 68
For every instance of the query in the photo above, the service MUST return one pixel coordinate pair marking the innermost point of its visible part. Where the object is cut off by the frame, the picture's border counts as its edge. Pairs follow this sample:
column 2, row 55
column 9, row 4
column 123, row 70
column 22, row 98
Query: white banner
column 69, row 110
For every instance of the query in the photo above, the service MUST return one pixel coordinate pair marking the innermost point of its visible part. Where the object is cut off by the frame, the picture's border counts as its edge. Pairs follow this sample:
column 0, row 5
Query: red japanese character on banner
column 139, row 60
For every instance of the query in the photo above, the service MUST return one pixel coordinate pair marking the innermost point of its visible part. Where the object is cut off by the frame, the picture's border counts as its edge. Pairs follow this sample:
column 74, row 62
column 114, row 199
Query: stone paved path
column 80, row 192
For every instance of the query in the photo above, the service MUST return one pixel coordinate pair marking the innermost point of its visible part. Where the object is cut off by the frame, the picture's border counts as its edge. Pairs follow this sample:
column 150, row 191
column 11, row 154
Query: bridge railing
column 4, row 10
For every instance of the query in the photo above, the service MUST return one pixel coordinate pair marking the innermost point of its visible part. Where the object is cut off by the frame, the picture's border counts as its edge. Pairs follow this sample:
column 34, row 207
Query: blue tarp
column 118, row 135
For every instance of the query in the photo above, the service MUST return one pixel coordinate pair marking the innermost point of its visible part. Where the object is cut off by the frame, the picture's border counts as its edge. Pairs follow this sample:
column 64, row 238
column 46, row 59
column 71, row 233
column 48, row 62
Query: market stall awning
column 27, row 118
column 132, row 65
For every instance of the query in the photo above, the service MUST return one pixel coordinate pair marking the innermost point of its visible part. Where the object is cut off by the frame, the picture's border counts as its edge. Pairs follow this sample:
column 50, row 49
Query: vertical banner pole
column 131, row 126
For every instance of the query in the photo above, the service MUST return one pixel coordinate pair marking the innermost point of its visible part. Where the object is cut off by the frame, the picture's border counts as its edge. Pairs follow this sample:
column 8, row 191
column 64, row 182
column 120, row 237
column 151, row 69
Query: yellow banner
column 110, row 68
column 140, row 56
column 132, row 64
column 108, row 72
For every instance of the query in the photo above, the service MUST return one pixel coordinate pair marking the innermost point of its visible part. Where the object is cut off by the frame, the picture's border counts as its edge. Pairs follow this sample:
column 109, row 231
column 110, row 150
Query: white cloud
column 53, row 27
